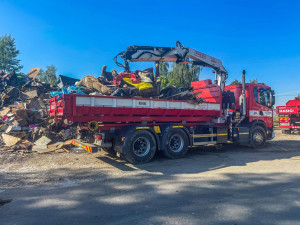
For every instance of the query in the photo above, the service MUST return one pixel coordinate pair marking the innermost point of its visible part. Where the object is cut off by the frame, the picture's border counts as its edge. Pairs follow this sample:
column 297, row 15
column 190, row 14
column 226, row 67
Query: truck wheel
column 176, row 144
column 141, row 147
column 258, row 137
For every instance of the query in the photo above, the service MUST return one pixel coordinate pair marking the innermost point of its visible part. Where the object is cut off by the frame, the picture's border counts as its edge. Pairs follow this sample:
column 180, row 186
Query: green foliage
column 41, row 76
column 235, row 82
column 163, row 68
column 254, row 81
column 164, row 74
column 48, row 76
column 164, row 81
column 182, row 74
column 8, row 54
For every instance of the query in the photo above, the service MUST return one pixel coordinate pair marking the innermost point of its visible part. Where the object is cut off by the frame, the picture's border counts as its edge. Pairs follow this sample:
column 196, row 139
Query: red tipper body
column 289, row 115
column 114, row 111
column 117, row 112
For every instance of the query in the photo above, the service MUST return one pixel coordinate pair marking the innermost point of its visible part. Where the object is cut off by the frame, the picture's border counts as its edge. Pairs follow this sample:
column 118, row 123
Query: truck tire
column 258, row 137
column 140, row 147
column 175, row 144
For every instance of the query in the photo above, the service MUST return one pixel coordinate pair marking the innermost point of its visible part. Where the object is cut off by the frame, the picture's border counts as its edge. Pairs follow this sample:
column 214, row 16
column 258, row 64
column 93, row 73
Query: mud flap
column 222, row 135
column 241, row 135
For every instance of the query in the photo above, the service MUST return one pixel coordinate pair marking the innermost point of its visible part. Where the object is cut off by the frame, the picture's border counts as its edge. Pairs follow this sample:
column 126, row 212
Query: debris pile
column 125, row 84
column 24, row 122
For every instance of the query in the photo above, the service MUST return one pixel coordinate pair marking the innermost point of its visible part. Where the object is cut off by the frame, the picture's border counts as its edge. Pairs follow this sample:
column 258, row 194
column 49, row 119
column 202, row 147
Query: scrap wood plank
column 10, row 140
column 43, row 141
column 33, row 72
column 4, row 111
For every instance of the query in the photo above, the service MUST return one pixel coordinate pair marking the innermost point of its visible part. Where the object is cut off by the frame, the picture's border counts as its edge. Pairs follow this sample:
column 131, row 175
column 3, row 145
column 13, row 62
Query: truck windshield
column 264, row 97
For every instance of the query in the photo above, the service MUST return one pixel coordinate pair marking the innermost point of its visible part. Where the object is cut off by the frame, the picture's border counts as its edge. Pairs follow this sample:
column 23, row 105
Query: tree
column 235, row 82
column 182, row 74
column 41, row 76
column 163, row 68
column 50, row 75
column 254, row 81
column 9, row 61
column 164, row 74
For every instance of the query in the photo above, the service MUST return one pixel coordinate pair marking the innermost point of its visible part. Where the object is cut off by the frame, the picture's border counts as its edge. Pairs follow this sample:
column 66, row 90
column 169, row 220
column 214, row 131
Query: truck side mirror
column 272, row 98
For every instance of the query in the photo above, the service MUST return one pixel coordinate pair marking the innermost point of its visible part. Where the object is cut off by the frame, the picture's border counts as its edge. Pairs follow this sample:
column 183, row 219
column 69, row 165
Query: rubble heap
column 24, row 122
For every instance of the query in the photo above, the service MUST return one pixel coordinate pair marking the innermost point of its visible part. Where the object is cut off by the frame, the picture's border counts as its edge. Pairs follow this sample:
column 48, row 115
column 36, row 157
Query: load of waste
column 25, row 125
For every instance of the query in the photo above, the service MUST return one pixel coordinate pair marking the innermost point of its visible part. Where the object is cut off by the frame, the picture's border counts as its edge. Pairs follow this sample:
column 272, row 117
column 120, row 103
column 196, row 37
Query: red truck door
column 260, row 107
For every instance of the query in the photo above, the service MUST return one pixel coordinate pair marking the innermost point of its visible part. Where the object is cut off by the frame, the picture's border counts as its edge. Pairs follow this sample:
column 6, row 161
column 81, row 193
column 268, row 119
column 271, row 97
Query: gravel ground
column 17, row 169
column 235, row 185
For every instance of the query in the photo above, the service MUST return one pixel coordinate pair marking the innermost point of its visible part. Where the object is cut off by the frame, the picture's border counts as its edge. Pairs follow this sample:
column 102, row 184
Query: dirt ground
column 234, row 185
column 17, row 169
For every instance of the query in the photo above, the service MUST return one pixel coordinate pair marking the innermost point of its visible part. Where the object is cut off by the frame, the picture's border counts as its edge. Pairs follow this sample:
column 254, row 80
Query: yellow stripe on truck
column 204, row 135
column 207, row 135
column 140, row 128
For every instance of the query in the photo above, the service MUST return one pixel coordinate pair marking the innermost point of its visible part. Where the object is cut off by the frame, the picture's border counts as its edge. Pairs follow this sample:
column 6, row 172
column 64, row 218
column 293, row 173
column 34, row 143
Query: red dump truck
column 136, row 128
column 289, row 116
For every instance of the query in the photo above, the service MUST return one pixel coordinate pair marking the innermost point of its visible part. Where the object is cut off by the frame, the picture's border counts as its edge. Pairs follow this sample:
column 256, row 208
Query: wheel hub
column 176, row 143
column 258, row 137
column 141, row 146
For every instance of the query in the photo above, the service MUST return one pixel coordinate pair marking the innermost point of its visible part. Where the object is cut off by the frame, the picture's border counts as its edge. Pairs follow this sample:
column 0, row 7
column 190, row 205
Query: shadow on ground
column 160, row 199
column 209, row 158
column 196, row 161
column 161, row 192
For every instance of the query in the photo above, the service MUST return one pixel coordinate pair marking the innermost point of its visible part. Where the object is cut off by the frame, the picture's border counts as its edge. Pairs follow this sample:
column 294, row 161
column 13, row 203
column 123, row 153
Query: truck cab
column 260, row 100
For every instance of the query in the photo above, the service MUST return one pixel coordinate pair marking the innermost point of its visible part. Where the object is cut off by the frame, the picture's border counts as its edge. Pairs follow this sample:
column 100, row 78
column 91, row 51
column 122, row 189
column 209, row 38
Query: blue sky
column 78, row 37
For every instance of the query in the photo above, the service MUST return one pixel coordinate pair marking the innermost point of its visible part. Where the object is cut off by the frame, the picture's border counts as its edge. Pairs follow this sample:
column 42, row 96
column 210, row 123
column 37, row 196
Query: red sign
column 286, row 110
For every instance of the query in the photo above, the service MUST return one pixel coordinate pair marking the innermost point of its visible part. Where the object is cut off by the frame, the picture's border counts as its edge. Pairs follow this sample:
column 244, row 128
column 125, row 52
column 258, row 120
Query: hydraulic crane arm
column 180, row 54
